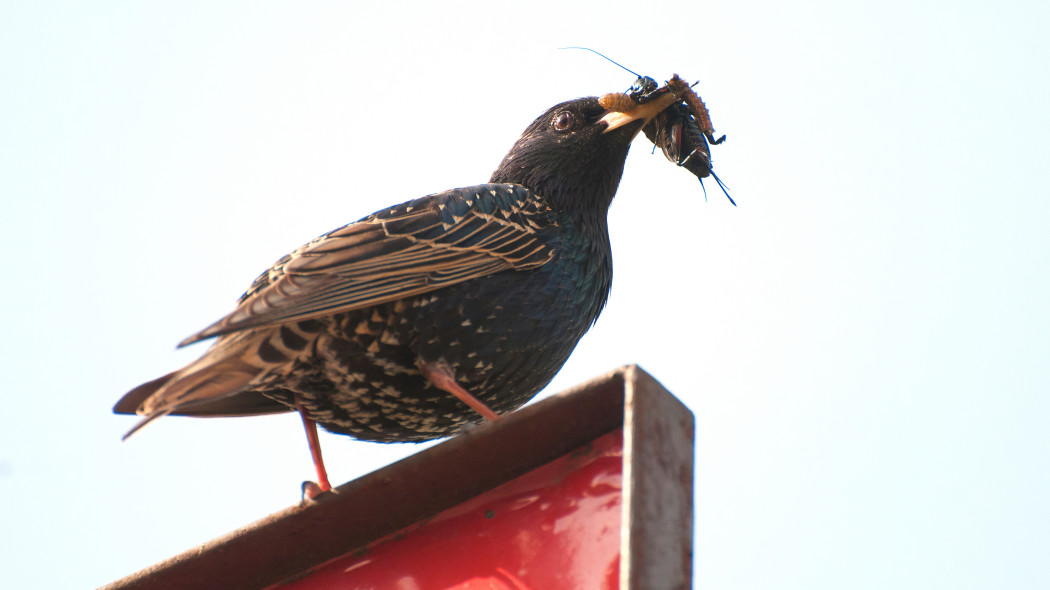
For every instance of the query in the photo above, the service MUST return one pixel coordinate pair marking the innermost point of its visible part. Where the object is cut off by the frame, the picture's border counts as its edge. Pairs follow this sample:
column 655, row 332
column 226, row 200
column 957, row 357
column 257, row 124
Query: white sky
column 864, row 340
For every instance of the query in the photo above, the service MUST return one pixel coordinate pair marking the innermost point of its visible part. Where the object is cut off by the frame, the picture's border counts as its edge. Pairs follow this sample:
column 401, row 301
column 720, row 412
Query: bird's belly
column 504, row 337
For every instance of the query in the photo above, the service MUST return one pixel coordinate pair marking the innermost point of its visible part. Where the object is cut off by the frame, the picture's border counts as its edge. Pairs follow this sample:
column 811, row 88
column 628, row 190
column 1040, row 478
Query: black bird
column 479, row 292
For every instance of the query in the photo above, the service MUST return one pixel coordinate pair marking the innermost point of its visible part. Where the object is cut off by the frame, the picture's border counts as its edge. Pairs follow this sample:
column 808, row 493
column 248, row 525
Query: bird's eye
column 562, row 121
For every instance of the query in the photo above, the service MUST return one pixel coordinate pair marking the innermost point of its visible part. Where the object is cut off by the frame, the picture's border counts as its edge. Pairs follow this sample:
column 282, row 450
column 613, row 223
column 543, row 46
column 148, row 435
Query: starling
column 422, row 317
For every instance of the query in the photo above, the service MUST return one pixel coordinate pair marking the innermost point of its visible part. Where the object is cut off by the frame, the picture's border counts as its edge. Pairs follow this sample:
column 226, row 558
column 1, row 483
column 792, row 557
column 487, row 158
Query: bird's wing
column 413, row 248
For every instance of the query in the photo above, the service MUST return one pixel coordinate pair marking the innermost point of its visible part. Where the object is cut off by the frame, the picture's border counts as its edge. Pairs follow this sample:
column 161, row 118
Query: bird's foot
column 312, row 490
column 469, row 427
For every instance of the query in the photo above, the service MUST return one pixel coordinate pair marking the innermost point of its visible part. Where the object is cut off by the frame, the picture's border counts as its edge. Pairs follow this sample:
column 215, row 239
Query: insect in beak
column 623, row 110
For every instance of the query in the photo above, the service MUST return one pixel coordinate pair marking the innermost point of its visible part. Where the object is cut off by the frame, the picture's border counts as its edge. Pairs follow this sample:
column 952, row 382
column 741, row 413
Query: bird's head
column 573, row 154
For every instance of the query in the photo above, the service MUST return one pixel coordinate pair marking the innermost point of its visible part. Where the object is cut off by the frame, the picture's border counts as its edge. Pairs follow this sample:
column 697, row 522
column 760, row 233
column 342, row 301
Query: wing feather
column 410, row 249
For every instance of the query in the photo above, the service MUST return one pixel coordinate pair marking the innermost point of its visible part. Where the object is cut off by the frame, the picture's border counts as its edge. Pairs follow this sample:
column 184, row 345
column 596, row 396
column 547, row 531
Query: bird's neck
column 581, row 186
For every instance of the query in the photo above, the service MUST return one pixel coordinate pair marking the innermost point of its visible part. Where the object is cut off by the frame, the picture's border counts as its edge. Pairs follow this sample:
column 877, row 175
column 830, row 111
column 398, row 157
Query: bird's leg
column 310, row 489
column 441, row 376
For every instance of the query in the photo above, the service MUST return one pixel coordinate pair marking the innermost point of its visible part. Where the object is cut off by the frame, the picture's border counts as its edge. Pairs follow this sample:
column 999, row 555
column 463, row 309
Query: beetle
column 683, row 130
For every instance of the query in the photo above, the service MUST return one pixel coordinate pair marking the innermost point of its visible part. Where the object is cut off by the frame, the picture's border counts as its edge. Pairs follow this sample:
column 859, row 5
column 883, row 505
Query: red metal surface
column 556, row 527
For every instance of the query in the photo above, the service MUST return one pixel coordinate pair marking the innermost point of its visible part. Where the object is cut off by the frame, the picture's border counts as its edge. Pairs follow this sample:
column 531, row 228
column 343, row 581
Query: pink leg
column 310, row 489
column 441, row 376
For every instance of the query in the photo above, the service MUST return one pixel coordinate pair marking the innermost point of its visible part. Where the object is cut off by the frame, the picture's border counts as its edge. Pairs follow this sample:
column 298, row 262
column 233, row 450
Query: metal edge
column 657, row 535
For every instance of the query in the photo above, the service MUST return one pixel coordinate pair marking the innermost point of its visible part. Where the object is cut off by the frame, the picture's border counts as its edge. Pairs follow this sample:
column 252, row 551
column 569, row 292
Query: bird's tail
column 188, row 390
column 203, row 388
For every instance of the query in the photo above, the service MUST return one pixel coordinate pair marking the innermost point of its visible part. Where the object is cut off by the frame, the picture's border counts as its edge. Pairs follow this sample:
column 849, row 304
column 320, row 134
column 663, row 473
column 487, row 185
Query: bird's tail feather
column 200, row 388
column 132, row 400
column 182, row 391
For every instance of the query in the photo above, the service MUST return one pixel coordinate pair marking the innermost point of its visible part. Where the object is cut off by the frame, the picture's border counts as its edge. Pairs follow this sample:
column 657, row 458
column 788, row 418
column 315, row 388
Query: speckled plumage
column 496, row 282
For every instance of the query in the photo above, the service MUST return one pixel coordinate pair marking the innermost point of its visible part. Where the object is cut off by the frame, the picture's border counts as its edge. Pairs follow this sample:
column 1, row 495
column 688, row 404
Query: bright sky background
column 864, row 340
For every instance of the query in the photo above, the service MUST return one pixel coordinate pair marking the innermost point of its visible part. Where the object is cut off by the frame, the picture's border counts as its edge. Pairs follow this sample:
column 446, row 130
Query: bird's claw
column 311, row 490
